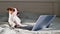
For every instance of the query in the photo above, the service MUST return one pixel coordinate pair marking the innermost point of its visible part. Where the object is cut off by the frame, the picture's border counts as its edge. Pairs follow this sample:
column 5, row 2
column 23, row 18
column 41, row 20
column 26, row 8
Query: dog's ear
column 11, row 9
column 17, row 12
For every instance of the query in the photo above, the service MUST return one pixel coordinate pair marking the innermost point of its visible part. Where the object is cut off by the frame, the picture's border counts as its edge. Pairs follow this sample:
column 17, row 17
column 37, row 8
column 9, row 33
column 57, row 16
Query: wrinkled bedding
column 5, row 29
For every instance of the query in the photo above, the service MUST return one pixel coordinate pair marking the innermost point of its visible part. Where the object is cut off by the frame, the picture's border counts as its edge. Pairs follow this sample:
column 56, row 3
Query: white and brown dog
column 13, row 18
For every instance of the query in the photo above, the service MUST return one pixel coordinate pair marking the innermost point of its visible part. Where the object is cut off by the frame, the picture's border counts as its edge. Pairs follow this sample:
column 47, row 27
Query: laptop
column 43, row 21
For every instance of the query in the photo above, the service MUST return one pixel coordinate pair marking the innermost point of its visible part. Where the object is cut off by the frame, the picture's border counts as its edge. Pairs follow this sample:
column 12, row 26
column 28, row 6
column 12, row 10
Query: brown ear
column 11, row 9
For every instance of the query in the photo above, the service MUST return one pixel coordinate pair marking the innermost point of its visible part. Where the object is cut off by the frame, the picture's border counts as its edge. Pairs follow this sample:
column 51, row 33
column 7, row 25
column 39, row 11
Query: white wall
column 33, row 7
column 39, row 7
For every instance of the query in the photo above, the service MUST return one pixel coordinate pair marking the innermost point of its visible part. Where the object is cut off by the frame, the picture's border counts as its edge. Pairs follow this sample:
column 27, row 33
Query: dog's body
column 14, row 19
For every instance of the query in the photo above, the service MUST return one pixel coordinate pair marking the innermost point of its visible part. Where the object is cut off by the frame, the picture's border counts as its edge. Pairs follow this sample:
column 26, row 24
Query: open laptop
column 43, row 21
